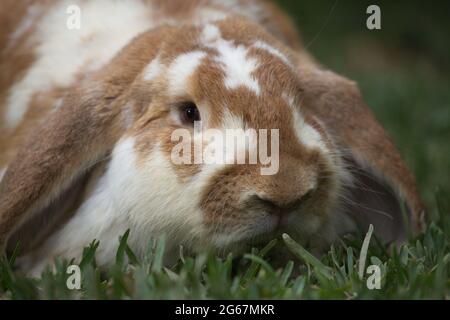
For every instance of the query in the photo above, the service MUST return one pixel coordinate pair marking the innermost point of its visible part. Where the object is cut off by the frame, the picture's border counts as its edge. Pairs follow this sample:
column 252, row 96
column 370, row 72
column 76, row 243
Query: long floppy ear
column 383, row 187
column 73, row 138
column 58, row 152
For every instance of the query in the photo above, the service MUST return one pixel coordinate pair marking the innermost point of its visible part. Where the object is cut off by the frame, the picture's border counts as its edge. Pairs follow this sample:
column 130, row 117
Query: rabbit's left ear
column 74, row 137
column 58, row 154
column 383, row 187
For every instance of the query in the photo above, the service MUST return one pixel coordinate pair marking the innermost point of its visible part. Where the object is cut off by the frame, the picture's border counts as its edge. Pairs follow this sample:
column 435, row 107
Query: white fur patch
column 2, row 173
column 61, row 54
column 305, row 133
column 154, row 199
column 210, row 33
column 153, row 70
column 273, row 51
column 237, row 66
column 234, row 60
column 181, row 69
column 146, row 197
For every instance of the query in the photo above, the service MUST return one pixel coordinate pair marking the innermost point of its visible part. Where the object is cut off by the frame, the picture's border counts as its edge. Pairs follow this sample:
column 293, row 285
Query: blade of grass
column 307, row 257
column 363, row 254
column 253, row 268
column 158, row 257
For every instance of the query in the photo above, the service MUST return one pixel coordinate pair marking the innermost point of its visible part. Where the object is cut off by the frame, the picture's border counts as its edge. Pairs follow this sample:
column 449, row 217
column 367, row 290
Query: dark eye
column 189, row 113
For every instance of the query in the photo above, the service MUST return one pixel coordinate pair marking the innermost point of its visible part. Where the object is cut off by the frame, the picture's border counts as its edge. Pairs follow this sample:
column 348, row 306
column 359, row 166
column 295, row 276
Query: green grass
column 403, row 72
column 417, row 270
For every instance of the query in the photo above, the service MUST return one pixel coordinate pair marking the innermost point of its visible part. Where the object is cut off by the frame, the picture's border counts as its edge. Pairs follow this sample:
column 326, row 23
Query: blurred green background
column 402, row 71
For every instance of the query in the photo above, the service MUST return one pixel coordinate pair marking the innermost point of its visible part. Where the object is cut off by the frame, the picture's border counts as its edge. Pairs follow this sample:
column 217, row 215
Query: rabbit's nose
column 277, row 206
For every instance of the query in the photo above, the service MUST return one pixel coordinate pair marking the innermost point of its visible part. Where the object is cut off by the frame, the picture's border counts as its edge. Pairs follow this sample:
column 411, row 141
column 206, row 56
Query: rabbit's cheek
column 150, row 192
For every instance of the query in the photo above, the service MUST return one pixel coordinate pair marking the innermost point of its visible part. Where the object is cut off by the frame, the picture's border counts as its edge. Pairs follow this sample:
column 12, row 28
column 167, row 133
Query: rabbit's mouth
column 266, row 227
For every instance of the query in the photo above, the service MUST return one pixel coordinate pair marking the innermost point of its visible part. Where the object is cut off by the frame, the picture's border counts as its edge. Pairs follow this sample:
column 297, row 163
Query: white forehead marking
column 273, row 51
column 234, row 60
column 238, row 68
column 153, row 70
column 305, row 133
column 61, row 54
column 181, row 69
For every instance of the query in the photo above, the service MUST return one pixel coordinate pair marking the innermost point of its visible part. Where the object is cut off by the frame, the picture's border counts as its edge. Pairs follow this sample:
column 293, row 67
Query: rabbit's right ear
column 383, row 187
column 81, row 132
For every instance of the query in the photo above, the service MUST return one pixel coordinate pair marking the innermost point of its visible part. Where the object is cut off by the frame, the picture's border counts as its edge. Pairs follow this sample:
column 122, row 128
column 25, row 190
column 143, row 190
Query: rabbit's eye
column 189, row 113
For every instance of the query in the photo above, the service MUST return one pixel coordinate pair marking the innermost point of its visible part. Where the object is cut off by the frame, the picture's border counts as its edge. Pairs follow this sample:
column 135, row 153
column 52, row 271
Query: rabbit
column 87, row 118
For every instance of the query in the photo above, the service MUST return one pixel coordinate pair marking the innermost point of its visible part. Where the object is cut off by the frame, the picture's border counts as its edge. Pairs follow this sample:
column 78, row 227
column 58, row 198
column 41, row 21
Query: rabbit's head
column 217, row 136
